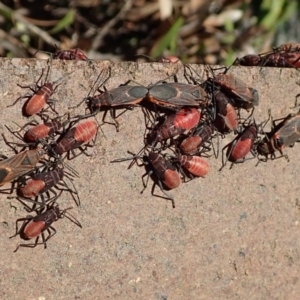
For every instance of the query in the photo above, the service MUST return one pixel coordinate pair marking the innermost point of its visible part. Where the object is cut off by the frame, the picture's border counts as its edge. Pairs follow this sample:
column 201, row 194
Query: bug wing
column 126, row 95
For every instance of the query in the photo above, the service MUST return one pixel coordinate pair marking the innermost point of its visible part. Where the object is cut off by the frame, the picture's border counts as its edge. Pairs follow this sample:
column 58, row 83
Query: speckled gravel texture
column 232, row 235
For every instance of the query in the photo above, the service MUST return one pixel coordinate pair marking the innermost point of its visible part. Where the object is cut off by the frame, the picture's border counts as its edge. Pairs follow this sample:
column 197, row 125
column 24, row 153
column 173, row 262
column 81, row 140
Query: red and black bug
column 279, row 59
column 34, row 227
column 243, row 95
column 202, row 135
column 119, row 97
column 44, row 182
column 176, row 95
column 42, row 131
column 165, row 172
column 177, row 123
column 226, row 115
column 241, row 146
column 71, row 54
column 125, row 96
column 168, row 95
column 240, row 94
column 78, row 136
column 39, row 131
column 46, row 149
column 41, row 96
column 283, row 135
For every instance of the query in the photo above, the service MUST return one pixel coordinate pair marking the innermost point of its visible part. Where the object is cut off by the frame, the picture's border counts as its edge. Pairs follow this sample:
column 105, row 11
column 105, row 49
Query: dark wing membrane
column 126, row 95
column 289, row 131
column 177, row 94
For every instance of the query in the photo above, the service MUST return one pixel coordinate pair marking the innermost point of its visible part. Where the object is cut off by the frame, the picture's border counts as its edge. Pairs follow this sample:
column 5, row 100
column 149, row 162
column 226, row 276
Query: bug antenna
column 192, row 70
column 87, row 99
column 72, row 192
column 134, row 157
column 67, row 165
column 49, row 71
column 63, row 77
column 70, row 217
column 103, row 82
column 125, row 159
column 95, row 82
column 145, row 56
column 47, row 52
column 59, row 159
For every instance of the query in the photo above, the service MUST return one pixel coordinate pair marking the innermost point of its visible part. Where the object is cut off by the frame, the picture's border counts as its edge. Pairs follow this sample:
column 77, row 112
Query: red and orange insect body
column 37, row 102
column 191, row 144
column 34, row 227
column 41, row 96
column 86, row 131
column 196, row 165
column 41, row 183
column 71, row 54
column 77, row 136
column 245, row 96
column 182, row 121
column 165, row 171
column 187, row 118
column 42, row 131
column 241, row 146
column 40, row 223
column 32, row 188
column 226, row 113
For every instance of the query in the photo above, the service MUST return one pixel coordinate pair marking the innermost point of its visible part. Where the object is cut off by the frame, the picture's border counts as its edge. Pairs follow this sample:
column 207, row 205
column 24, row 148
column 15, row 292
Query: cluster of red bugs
column 186, row 119
column 184, row 122
column 38, row 172
column 284, row 56
column 183, row 118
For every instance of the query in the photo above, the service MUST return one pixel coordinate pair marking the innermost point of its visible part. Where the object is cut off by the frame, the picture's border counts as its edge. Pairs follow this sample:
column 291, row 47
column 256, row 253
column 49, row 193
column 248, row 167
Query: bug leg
column 164, row 192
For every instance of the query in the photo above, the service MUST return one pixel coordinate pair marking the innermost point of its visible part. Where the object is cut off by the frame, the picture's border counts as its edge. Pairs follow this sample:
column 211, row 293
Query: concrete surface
column 232, row 235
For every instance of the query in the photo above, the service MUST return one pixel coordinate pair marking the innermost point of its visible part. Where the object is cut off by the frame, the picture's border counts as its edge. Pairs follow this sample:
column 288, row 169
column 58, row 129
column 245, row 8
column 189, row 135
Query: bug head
column 265, row 148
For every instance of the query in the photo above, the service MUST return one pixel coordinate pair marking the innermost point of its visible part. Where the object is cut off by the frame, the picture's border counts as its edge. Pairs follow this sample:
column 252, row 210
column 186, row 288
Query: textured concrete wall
column 232, row 235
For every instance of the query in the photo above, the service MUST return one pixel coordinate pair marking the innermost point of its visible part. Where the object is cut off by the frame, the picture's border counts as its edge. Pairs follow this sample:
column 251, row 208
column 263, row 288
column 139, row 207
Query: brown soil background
column 232, row 235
